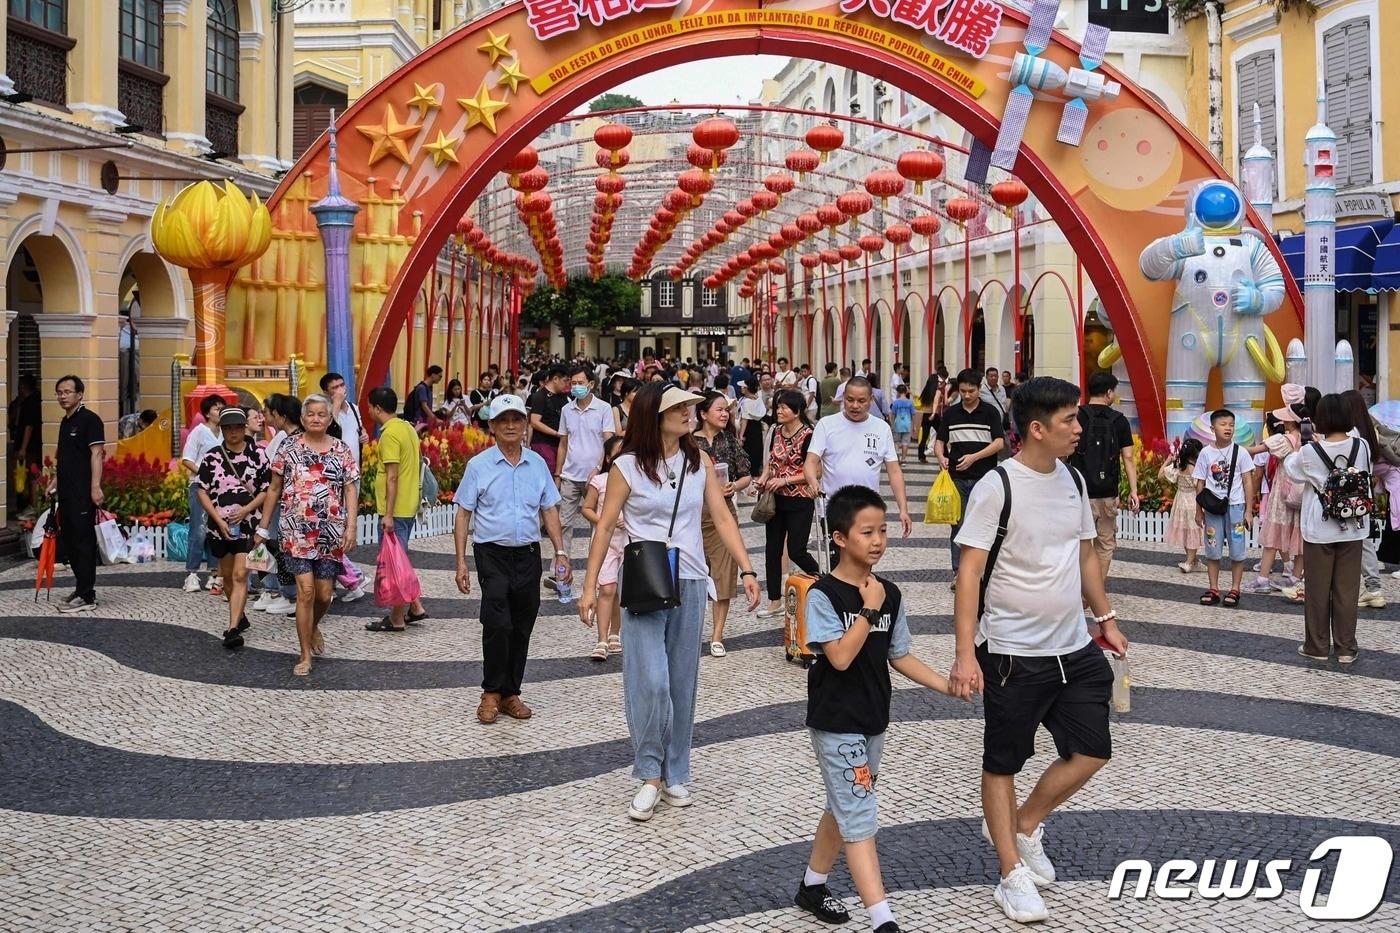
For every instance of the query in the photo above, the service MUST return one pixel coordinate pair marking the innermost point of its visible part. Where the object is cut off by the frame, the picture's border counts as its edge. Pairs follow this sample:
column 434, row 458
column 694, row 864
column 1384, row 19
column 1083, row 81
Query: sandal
column 614, row 644
column 302, row 668
column 318, row 642
column 382, row 625
column 600, row 651
column 717, row 649
column 1210, row 598
column 413, row 619
column 1232, row 599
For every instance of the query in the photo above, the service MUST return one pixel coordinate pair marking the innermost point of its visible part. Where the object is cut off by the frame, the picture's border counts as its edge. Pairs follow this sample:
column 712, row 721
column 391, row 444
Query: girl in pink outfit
column 1182, row 529
column 1280, row 528
column 609, row 613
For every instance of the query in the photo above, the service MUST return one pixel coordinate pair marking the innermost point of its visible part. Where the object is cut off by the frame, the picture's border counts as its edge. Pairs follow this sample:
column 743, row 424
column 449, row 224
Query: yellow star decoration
column 424, row 98
column 482, row 108
column 512, row 74
column 496, row 46
column 390, row 137
column 444, row 149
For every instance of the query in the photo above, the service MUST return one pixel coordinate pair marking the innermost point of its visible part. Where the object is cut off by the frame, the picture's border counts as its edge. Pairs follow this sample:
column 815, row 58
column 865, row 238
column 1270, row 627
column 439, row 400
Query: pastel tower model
column 1319, row 244
column 1227, row 281
column 335, row 219
column 1257, row 176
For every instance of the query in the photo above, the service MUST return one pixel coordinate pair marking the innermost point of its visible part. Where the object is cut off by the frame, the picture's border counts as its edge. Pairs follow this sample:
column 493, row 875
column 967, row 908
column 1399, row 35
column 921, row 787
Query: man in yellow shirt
column 397, row 489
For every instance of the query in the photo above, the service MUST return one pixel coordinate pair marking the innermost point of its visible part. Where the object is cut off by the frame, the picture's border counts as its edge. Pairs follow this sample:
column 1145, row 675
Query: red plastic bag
column 395, row 583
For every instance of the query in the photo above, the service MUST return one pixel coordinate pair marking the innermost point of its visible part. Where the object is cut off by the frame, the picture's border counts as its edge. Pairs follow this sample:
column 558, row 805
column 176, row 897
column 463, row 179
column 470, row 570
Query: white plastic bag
column 141, row 546
column 111, row 543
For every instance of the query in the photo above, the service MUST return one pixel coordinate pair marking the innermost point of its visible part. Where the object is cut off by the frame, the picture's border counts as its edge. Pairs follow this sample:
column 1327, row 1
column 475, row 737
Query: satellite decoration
column 1031, row 73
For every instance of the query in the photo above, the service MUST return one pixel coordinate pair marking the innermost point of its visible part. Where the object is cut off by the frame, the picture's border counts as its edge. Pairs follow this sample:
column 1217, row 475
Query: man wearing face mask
column 584, row 424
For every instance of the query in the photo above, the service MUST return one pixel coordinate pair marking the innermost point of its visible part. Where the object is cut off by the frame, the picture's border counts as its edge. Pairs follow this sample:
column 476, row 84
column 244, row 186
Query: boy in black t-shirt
column 857, row 625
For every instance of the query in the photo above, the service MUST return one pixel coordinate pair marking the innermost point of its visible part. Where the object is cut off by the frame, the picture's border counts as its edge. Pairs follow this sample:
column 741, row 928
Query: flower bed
column 447, row 448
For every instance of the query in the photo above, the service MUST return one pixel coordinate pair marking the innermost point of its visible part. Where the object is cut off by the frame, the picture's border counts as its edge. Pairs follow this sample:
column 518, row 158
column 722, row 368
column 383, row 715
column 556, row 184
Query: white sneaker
column 1032, row 853
column 357, row 593
column 644, row 803
column 1017, row 897
column 1373, row 600
column 770, row 613
column 262, row 602
column 280, row 605
column 213, row 581
column 677, row 795
column 192, row 583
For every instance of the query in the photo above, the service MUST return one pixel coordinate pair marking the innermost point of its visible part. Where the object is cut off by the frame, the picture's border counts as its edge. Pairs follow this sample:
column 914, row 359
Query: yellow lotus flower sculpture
column 211, row 232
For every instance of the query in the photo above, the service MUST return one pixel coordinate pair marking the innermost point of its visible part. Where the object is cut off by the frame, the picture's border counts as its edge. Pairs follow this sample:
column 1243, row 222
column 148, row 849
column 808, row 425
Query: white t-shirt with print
column 1035, row 604
column 1213, row 466
column 852, row 452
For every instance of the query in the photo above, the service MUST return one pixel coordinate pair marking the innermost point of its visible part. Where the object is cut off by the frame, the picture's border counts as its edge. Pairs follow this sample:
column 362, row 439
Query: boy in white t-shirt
column 1021, row 636
column 1225, row 470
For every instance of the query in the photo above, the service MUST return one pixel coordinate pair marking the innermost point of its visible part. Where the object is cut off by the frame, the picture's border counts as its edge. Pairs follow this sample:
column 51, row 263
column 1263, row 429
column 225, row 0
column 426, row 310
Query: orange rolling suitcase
column 795, row 597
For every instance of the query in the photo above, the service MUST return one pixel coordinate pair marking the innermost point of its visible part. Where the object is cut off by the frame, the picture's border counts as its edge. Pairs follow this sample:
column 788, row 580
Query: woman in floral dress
column 314, row 477
column 732, row 463
column 232, row 487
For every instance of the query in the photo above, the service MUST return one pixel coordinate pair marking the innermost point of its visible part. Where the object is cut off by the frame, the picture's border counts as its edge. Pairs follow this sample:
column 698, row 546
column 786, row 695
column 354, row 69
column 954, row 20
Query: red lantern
column 854, row 203
column 762, row 251
column 810, row 260
column 872, row 243
column 826, row 139
column 919, row 166
column 734, row 219
column 793, row 234
column 723, row 228
column 715, row 134
column 609, row 184
column 850, row 252
column 695, row 183
column 746, row 291
column 830, row 216
column 603, row 203
column 807, row 224
column 1010, row 194
column 664, row 217
column 612, row 137
column 533, row 204
column 899, row 235
column 522, row 162
column 702, row 158
column 884, row 184
column 534, row 180
column 778, row 242
column 746, row 208
column 612, row 160
column 777, row 267
column 464, row 227
column 831, row 257
column 764, row 200
column 926, row 225
column 677, row 200
column 779, row 183
column 802, row 161
column 962, row 209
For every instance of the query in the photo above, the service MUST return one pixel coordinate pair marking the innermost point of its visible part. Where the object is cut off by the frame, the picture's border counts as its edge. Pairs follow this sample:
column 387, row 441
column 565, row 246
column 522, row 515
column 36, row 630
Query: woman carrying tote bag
column 658, row 485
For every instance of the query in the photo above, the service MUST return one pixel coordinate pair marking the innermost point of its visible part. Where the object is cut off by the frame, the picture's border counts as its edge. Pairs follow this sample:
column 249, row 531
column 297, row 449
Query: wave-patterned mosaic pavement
column 150, row 780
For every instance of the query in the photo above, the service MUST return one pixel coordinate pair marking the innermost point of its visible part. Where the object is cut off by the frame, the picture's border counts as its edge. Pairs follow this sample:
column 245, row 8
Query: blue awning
column 1386, row 275
column 1355, row 255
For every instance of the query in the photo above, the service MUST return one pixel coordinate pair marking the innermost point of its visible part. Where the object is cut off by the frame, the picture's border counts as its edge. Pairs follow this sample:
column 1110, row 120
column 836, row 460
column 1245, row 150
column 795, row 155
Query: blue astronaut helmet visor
column 1217, row 205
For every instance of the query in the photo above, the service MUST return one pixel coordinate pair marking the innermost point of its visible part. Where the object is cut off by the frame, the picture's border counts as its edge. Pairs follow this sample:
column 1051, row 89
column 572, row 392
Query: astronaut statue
column 1227, row 281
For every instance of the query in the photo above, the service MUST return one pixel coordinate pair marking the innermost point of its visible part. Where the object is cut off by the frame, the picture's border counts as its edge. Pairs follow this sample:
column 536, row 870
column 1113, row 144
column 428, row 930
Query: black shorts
column 221, row 548
column 1022, row 693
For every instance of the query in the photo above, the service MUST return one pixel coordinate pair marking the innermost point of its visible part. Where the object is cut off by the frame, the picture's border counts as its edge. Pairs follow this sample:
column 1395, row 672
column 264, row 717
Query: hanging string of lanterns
column 605, row 206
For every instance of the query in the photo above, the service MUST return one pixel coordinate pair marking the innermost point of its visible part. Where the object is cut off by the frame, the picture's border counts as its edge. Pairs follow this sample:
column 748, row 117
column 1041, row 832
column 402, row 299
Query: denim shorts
column 850, row 764
column 1221, row 527
column 322, row 568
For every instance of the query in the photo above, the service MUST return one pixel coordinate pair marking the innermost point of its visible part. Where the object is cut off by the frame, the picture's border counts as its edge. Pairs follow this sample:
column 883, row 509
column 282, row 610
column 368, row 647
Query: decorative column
column 1320, row 223
column 335, row 220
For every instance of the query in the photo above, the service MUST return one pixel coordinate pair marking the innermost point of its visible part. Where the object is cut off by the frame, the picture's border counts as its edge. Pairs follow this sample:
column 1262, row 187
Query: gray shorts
column 850, row 764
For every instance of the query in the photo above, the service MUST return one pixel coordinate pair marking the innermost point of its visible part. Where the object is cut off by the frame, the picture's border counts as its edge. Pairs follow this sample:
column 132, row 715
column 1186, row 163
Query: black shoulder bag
column 651, row 569
column 1212, row 503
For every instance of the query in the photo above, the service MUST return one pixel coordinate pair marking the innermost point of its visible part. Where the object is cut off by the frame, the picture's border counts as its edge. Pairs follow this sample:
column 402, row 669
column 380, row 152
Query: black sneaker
column 233, row 638
column 77, row 603
column 243, row 622
column 889, row 926
column 817, row 901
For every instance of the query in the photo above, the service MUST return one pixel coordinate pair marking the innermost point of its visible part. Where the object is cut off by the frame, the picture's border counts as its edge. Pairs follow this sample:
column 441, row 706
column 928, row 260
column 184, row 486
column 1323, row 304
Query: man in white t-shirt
column 584, row 424
column 1226, row 470
column 785, row 377
column 808, row 385
column 1027, row 649
column 849, row 447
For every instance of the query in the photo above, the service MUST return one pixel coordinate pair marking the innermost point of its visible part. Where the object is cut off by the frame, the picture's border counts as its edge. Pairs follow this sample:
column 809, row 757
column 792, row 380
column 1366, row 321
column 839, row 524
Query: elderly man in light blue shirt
column 506, row 491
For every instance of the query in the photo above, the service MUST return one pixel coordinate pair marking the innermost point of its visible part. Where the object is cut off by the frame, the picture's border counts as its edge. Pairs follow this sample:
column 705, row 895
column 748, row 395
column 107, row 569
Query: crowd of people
column 652, row 460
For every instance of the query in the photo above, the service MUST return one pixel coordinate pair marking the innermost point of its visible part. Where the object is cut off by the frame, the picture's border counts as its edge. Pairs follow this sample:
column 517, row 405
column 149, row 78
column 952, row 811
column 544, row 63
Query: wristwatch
column 870, row 615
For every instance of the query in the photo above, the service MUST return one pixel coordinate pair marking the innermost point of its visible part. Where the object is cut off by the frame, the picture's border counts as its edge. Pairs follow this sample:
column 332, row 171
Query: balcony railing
column 37, row 61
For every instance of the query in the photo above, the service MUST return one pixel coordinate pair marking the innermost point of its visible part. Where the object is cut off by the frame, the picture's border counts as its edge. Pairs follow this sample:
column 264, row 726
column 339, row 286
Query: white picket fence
column 1152, row 527
column 431, row 522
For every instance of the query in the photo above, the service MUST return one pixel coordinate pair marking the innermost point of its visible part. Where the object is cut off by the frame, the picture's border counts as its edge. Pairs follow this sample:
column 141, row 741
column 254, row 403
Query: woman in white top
column 661, row 473
column 1331, row 546
column 752, row 411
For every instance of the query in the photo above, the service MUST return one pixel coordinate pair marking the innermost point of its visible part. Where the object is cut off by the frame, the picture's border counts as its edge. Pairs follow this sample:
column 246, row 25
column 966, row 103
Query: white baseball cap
column 507, row 403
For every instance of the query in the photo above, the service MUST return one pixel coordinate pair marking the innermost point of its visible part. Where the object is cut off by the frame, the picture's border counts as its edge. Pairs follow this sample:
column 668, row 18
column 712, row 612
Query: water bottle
column 566, row 592
column 1122, row 683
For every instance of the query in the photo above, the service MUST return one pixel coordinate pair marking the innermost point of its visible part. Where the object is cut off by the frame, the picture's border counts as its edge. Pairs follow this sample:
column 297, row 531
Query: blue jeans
column 660, row 674
column 850, row 765
column 403, row 528
column 1225, row 533
column 197, row 550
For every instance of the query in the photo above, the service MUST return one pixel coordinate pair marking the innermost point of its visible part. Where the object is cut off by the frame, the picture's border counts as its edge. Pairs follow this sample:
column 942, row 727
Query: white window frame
column 665, row 292
column 709, row 297
column 1363, row 9
column 1273, row 44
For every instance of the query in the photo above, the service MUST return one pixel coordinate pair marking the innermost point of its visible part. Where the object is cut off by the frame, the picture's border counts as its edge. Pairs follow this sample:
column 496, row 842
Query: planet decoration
column 1132, row 160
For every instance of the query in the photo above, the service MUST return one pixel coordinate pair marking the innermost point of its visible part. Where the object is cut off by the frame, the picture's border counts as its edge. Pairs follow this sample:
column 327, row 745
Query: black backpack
column 410, row 405
column 1097, row 455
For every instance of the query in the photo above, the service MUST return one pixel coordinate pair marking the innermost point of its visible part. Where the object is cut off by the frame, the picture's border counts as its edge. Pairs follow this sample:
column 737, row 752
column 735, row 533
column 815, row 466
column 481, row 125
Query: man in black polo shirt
column 969, row 438
column 78, row 486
